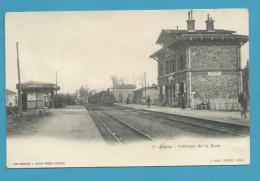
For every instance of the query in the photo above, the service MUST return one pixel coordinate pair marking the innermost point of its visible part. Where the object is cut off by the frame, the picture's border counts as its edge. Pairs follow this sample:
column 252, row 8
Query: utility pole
column 145, row 86
column 20, row 109
column 134, row 79
column 56, row 82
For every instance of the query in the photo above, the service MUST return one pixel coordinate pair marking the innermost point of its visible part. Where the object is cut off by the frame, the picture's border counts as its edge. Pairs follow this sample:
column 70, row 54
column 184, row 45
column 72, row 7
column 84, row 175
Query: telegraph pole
column 20, row 109
column 56, row 81
column 145, row 86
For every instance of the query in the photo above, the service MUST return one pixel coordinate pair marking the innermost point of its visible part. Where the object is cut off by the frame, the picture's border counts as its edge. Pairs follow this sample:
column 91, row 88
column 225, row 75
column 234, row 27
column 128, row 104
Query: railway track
column 243, row 132
column 116, row 126
column 139, row 132
column 114, row 135
column 118, row 131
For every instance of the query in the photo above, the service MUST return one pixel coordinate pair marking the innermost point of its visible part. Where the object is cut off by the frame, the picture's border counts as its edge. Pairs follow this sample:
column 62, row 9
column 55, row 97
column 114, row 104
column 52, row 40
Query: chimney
column 210, row 24
column 190, row 22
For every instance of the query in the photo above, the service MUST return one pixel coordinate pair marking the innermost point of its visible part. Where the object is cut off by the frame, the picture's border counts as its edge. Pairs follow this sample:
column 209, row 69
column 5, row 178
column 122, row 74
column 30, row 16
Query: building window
column 173, row 66
column 166, row 68
column 169, row 66
column 163, row 68
column 182, row 63
column 160, row 68
column 184, row 87
column 163, row 89
column 177, row 89
column 173, row 89
column 166, row 64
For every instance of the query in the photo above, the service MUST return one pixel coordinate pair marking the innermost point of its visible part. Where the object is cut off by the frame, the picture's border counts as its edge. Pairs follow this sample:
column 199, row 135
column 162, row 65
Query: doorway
column 182, row 94
column 24, row 102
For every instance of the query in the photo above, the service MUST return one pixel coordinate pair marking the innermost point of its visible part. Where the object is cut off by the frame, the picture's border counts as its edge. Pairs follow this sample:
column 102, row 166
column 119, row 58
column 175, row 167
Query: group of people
column 243, row 100
column 148, row 101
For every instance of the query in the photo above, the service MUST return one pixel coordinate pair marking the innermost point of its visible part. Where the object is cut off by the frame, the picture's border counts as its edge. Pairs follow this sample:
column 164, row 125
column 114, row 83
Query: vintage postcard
column 127, row 88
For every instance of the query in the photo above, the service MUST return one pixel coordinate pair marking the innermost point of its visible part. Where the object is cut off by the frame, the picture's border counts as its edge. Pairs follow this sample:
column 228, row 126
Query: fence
column 220, row 104
column 27, row 115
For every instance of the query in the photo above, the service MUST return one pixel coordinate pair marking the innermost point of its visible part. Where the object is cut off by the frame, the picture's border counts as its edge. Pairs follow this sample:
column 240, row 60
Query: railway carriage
column 104, row 98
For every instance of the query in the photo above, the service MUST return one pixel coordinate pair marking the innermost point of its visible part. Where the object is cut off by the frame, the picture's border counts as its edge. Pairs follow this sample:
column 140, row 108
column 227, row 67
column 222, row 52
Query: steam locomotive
column 105, row 98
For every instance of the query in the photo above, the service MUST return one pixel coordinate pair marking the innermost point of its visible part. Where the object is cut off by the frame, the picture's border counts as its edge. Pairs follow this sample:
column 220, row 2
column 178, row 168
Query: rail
column 131, row 127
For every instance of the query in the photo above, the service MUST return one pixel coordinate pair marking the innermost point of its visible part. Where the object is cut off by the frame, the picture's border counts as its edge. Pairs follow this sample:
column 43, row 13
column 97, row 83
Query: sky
column 87, row 48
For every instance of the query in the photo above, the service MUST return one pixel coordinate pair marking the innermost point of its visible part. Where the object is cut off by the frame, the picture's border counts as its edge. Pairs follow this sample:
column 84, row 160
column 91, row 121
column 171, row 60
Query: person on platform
column 183, row 101
column 120, row 99
column 127, row 100
column 243, row 102
column 148, row 101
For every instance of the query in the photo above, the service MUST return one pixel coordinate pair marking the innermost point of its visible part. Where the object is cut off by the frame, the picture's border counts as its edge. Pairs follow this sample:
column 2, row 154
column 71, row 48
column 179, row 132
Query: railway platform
column 211, row 115
column 70, row 122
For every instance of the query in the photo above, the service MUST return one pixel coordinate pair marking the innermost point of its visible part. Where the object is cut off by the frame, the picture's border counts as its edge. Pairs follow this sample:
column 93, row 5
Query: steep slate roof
column 124, row 86
column 37, row 84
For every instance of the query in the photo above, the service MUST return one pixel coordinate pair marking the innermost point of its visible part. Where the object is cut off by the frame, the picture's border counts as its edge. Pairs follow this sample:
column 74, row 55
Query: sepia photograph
column 127, row 88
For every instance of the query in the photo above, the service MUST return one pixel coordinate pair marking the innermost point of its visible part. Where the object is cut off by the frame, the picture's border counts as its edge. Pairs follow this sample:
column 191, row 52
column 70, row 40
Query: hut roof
column 38, row 85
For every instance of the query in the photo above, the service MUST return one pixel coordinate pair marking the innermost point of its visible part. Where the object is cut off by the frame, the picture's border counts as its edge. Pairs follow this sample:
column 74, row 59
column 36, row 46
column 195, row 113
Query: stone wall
column 207, row 86
column 223, row 57
column 213, row 73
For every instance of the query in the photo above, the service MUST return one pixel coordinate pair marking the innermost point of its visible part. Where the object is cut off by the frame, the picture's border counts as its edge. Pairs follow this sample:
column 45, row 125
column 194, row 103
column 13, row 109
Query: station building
column 37, row 95
column 194, row 65
column 11, row 98
column 122, row 91
column 140, row 95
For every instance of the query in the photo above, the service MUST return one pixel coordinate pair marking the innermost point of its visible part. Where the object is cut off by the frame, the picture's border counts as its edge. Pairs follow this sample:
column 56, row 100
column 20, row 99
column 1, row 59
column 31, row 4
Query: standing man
column 120, row 99
column 182, row 101
column 243, row 102
column 148, row 100
column 127, row 100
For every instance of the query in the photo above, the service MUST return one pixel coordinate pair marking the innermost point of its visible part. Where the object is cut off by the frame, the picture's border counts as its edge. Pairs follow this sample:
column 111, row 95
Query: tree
column 115, row 80
column 83, row 91
column 61, row 100
column 122, row 82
